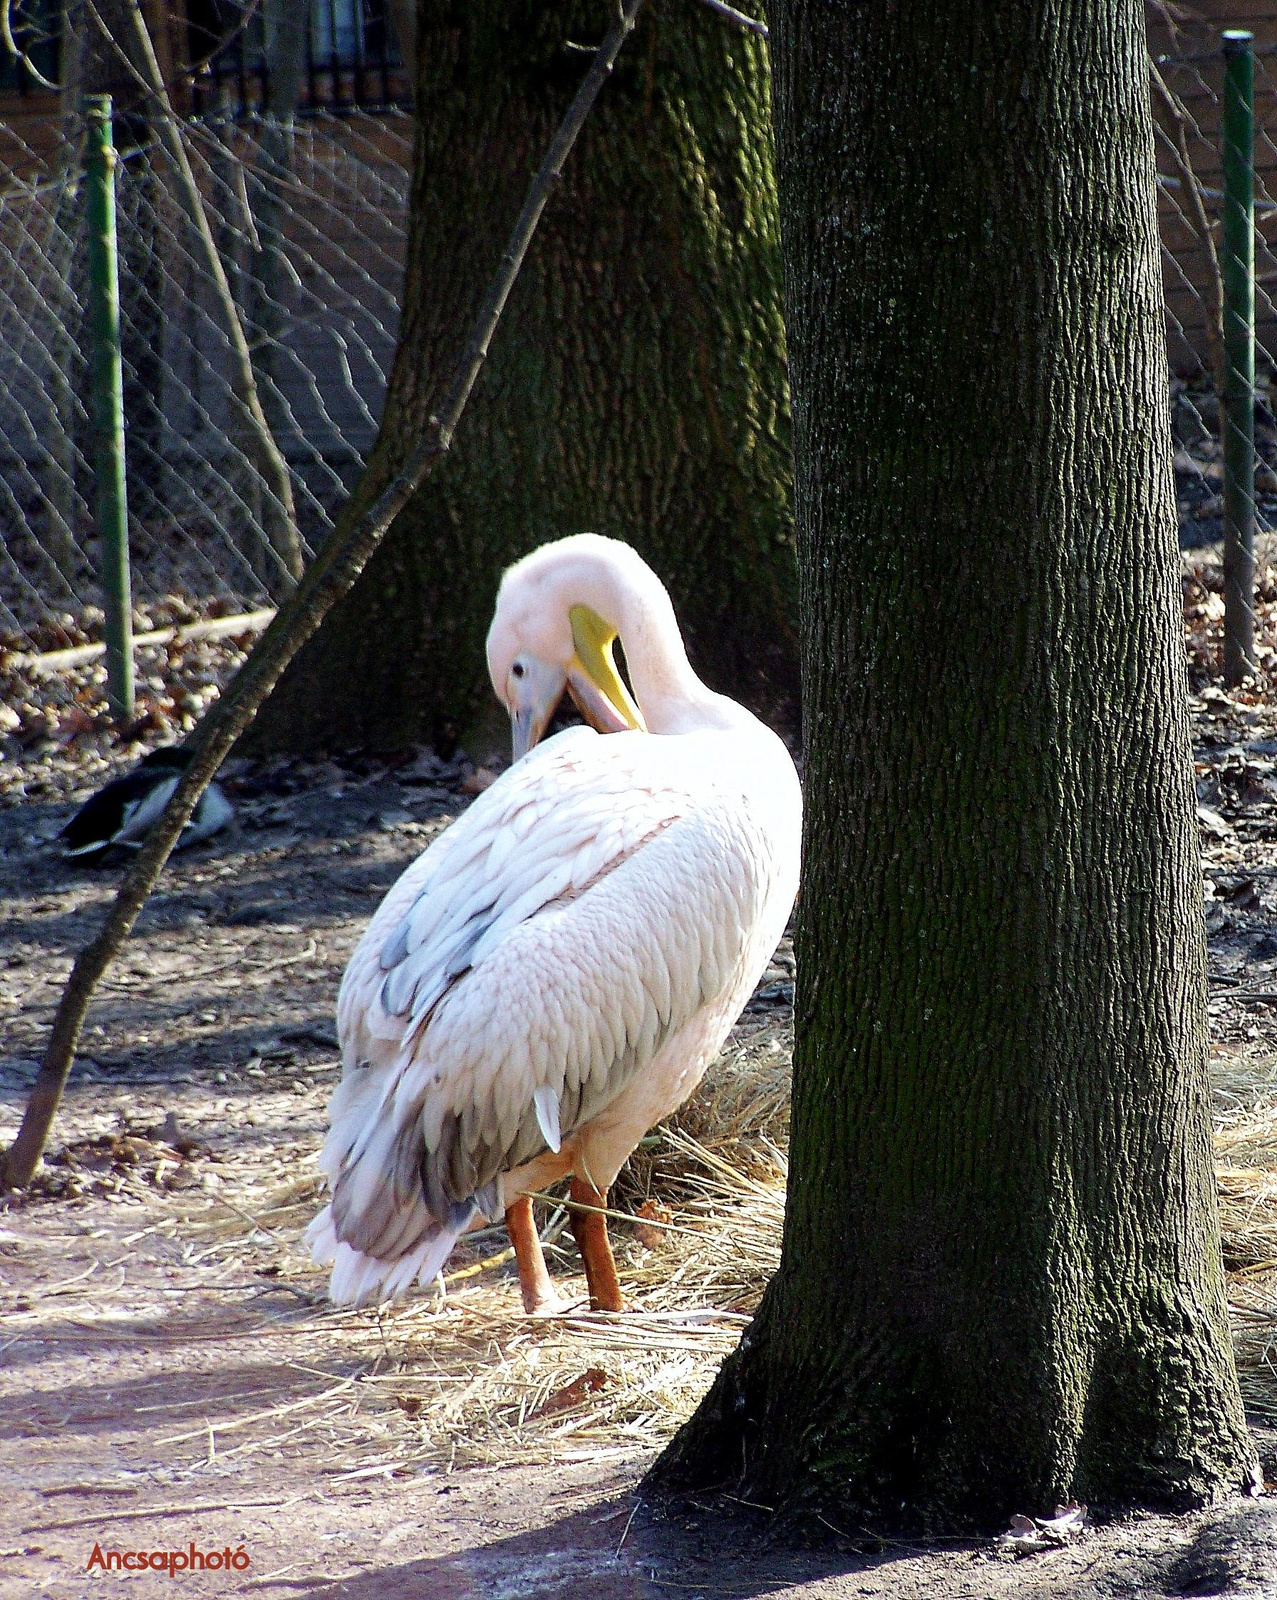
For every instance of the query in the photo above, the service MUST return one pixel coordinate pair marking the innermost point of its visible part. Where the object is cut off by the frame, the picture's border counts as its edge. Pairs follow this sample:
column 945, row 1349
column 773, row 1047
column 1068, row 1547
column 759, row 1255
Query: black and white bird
column 123, row 811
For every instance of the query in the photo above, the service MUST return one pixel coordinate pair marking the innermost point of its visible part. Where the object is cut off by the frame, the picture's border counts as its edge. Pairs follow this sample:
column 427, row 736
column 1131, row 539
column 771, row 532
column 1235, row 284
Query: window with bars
column 352, row 59
column 351, row 56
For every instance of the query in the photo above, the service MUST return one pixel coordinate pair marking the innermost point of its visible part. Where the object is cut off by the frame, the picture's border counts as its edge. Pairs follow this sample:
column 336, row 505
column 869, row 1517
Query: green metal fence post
column 108, row 403
column 1239, row 357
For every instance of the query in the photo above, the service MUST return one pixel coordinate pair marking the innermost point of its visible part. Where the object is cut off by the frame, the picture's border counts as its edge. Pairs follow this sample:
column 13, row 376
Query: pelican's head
column 558, row 614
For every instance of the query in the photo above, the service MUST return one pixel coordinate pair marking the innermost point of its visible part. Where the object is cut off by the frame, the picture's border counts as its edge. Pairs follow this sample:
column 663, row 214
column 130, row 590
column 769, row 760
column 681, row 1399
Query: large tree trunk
column 1001, row 1281
column 637, row 387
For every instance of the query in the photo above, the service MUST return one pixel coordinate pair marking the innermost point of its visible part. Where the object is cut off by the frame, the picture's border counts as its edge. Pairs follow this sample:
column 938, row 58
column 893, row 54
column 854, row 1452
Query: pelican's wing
column 524, row 969
column 518, row 846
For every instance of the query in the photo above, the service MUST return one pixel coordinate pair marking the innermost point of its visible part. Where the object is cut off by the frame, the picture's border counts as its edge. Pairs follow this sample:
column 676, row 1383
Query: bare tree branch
column 1171, row 17
column 281, row 514
column 330, row 576
column 738, row 17
column 192, row 69
column 15, row 50
column 1201, row 225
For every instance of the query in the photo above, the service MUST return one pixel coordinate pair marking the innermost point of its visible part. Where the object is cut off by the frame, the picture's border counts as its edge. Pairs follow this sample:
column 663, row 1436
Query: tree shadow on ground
column 1231, row 1551
column 115, row 1404
column 615, row 1550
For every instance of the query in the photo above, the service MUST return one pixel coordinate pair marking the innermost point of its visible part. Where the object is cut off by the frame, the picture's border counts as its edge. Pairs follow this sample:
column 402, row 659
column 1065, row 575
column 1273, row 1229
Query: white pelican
column 553, row 975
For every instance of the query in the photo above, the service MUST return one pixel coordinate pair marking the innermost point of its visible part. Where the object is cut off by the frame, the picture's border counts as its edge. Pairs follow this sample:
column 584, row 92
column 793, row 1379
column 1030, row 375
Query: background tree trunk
column 637, row 387
column 1001, row 1282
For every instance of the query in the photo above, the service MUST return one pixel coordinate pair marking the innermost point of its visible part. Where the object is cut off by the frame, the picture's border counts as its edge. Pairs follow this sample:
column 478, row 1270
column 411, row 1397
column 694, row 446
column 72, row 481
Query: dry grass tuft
column 475, row 1381
column 431, row 1385
column 1245, row 1116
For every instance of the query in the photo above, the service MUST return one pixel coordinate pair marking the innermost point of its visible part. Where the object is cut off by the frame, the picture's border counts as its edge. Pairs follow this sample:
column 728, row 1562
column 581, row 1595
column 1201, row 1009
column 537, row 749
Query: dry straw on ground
column 468, row 1379
column 1245, row 1117
column 442, row 1384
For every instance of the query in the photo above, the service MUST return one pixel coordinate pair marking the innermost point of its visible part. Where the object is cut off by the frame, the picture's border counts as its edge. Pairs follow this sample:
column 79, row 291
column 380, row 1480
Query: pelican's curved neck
column 670, row 695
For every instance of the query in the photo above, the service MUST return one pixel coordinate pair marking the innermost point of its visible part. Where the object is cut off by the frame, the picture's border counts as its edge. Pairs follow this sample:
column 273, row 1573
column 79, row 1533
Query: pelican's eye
column 517, row 670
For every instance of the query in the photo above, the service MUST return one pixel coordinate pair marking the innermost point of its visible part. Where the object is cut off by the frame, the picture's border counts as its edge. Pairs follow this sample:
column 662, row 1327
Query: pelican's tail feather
column 361, row 1279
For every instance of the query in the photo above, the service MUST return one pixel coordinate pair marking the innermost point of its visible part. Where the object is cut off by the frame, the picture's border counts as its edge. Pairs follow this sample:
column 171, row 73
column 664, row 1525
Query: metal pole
column 108, row 403
column 1239, row 357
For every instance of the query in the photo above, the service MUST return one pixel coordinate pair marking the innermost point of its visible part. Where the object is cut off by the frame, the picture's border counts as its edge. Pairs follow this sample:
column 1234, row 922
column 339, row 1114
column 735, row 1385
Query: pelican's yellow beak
column 593, row 681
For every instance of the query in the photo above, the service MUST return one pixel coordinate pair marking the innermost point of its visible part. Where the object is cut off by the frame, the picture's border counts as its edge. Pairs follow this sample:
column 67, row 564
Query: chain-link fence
column 1188, row 99
column 1215, row 110
column 312, row 245
column 306, row 216
column 260, row 257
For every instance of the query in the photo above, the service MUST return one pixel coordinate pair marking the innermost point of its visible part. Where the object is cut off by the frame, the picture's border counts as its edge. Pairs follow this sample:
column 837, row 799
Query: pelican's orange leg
column 534, row 1279
column 590, row 1231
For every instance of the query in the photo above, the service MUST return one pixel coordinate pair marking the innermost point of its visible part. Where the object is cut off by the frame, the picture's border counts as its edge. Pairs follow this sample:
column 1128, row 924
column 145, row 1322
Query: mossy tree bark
column 1001, row 1283
column 638, row 385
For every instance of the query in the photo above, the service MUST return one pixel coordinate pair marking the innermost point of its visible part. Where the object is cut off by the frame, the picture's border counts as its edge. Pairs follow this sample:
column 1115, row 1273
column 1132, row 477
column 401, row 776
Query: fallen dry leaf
column 571, row 1394
column 650, row 1211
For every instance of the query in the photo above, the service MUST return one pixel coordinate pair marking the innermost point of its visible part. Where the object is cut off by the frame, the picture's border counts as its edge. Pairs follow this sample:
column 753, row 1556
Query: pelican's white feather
column 545, row 1101
column 552, row 975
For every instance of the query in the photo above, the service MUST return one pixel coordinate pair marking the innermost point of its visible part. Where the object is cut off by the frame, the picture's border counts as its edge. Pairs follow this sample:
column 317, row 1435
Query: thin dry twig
column 141, row 1513
column 1193, row 189
column 332, row 574
column 89, row 1488
column 19, row 55
column 625, row 1532
column 233, row 1424
column 738, row 17
column 279, row 508
column 210, row 628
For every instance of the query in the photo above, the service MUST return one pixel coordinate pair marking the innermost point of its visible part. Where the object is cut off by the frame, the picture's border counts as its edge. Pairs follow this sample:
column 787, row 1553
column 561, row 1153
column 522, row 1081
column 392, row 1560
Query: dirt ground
column 172, row 1378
